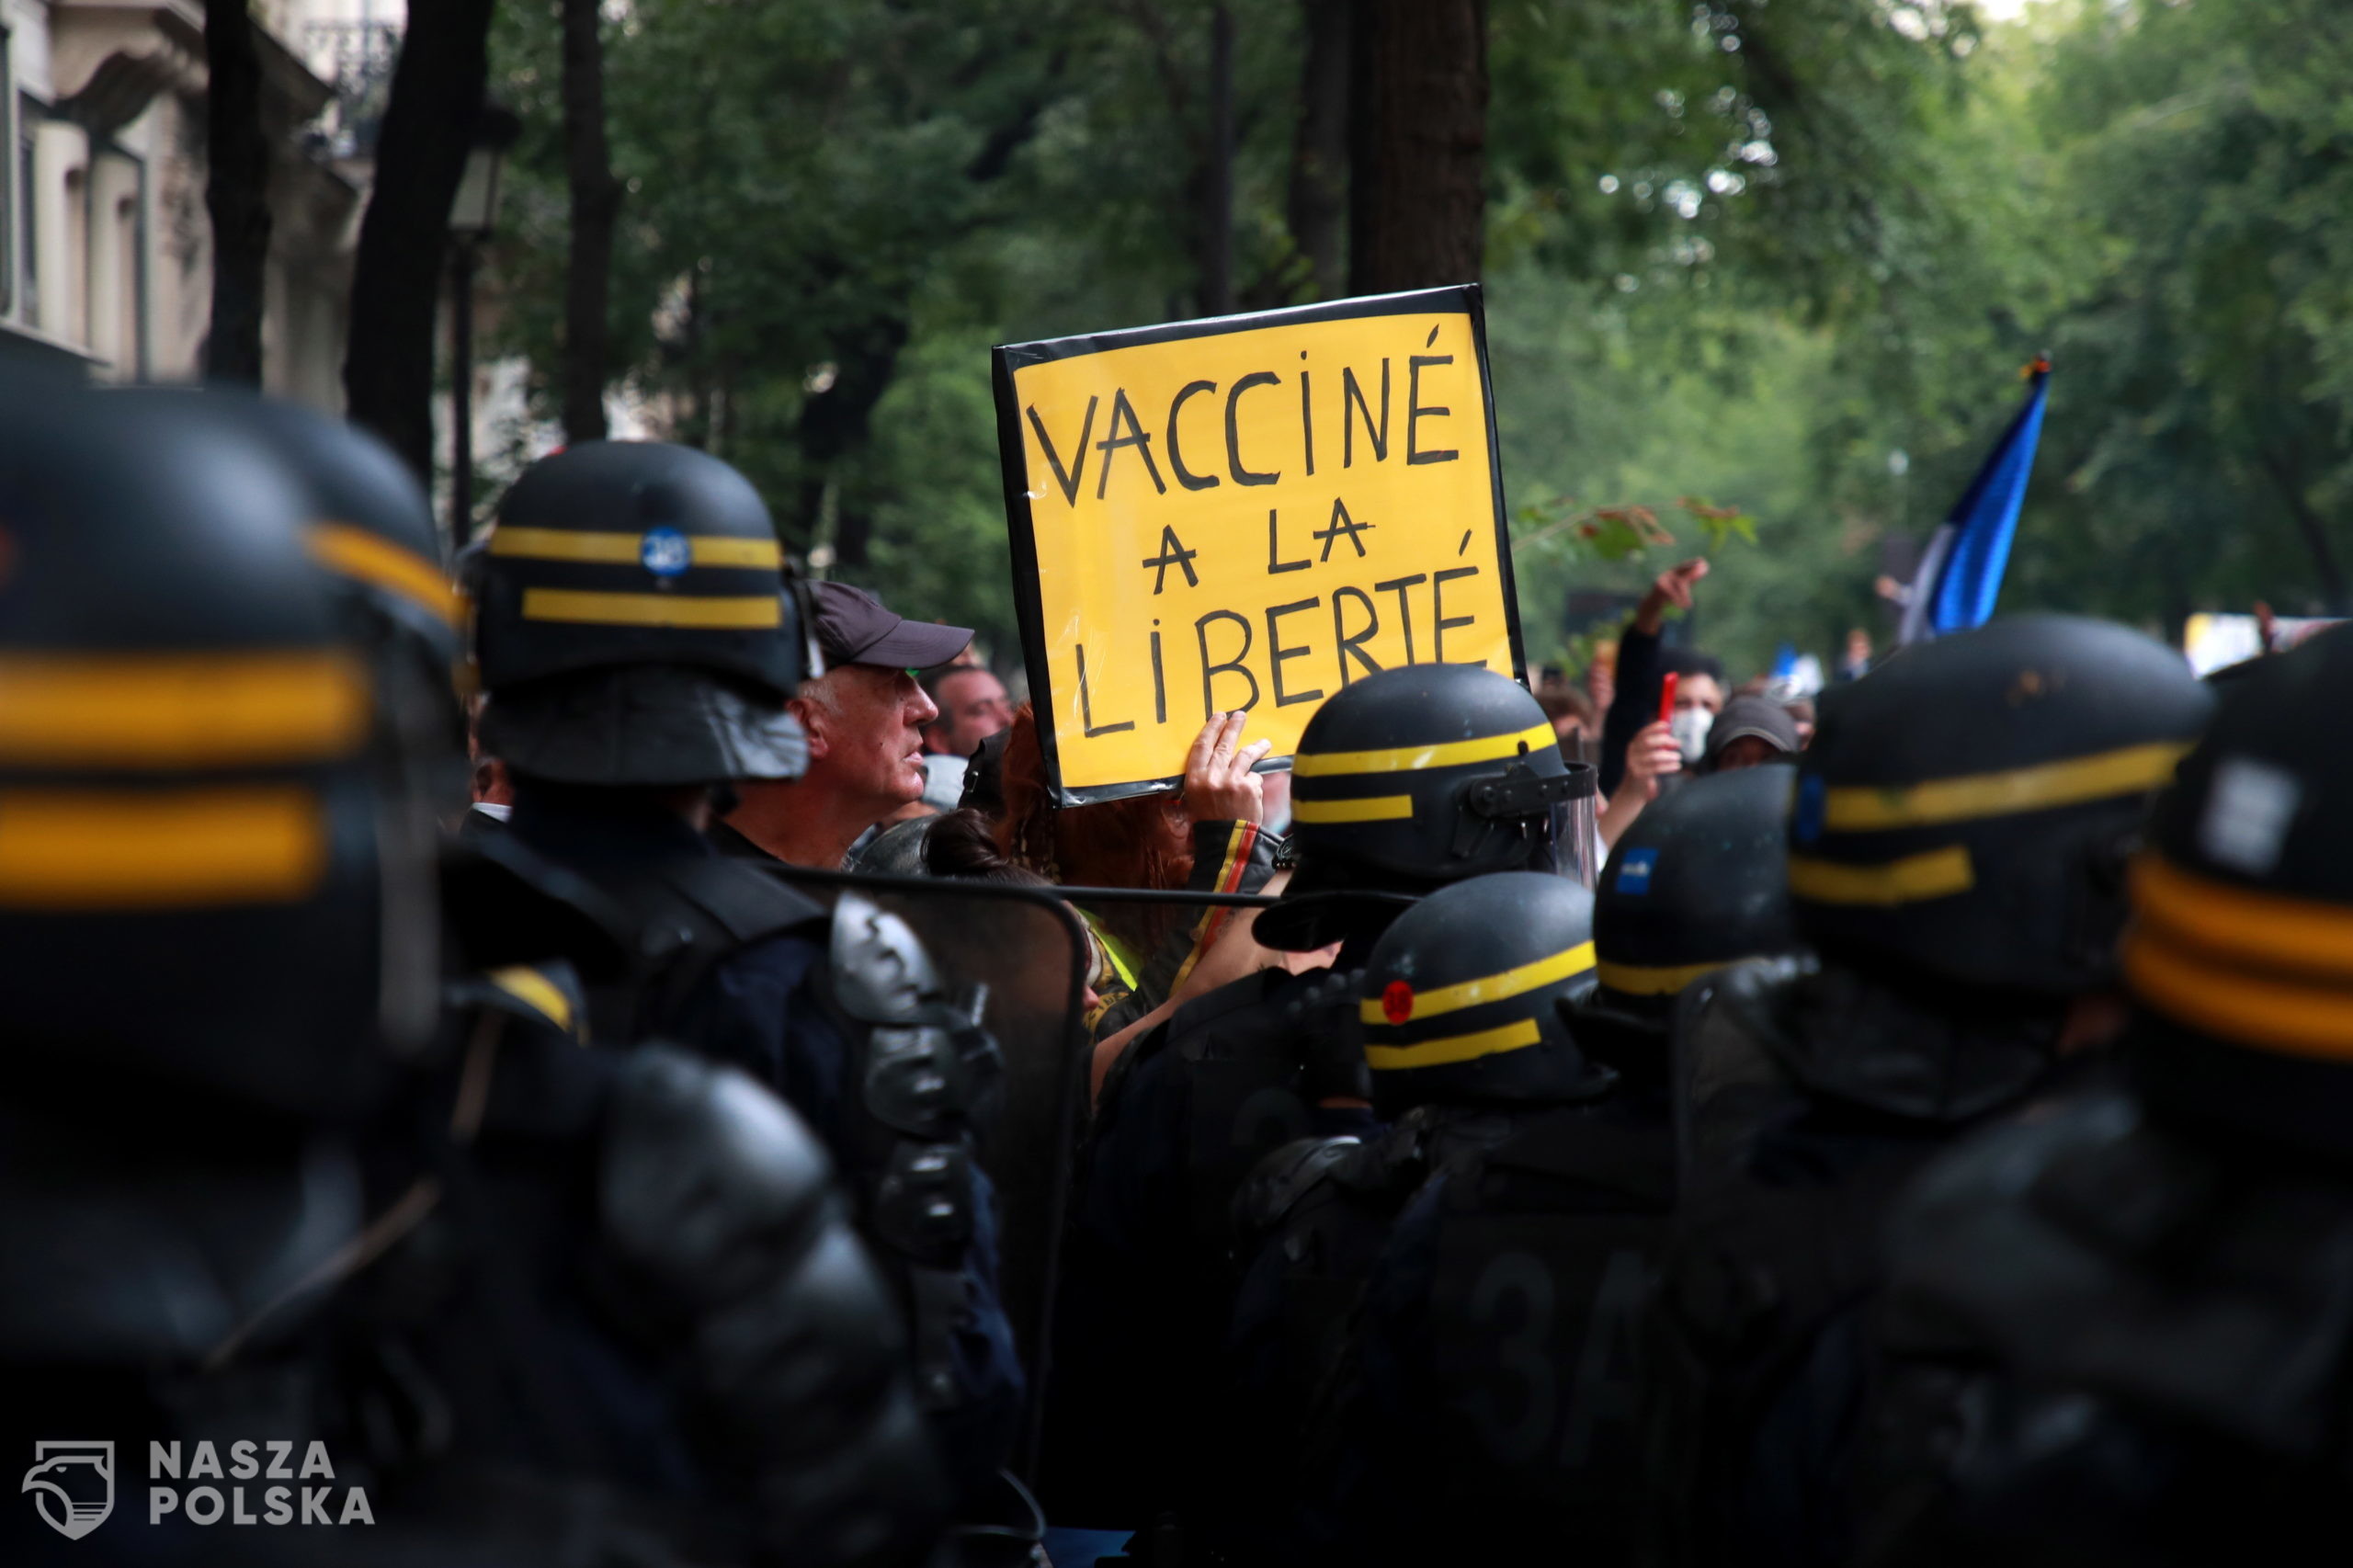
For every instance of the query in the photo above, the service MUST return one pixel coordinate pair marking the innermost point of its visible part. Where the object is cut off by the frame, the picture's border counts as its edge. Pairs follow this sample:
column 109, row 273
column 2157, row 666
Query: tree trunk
column 1317, row 209
column 834, row 423
column 2287, row 476
column 1217, row 171
column 596, row 209
column 396, row 278
column 236, row 193
column 1418, row 114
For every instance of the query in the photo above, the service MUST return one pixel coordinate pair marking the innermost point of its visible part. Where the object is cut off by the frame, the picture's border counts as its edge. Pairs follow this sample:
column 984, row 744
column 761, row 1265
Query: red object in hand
column 1397, row 1002
column 1667, row 696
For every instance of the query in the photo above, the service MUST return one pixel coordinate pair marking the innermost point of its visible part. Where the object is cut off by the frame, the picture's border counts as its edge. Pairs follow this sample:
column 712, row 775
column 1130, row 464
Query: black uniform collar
column 595, row 827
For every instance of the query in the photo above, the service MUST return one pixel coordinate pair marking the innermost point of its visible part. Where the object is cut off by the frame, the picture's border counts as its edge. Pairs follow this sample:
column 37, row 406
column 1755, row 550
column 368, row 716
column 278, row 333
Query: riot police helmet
column 2239, row 959
column 1421, row 776
column 1461, row 1000
column 634, row 625
column 370, row 524
column 1696, row 882
column 1964, row 812
column 200, row 883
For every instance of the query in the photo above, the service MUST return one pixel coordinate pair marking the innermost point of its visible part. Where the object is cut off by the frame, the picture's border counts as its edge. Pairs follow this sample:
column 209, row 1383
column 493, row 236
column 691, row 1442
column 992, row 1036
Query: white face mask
column 1689, row 727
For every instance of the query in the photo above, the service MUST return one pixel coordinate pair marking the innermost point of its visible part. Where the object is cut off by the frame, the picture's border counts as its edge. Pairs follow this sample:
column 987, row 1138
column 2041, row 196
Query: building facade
column 105, row 244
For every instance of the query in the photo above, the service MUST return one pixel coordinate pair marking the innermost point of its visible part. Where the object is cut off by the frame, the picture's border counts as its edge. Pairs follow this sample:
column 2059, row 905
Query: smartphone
column 1666, row 698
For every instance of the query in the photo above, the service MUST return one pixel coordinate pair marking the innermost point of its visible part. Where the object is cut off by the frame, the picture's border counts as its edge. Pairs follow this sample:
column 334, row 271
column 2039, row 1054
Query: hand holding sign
column 1219, row 783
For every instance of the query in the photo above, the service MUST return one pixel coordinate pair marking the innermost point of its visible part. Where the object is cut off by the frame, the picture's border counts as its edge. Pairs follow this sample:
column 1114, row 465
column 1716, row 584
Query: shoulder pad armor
column 706, row 1177
column 1399, row 1158
column 1759, row 999
column 1277, row 1183
column 503, row 902
column 745, row 904
column 1850, row 1036
column 716, row 1196
column 1233, row 997
column 881, row 973
column 2093, row 1249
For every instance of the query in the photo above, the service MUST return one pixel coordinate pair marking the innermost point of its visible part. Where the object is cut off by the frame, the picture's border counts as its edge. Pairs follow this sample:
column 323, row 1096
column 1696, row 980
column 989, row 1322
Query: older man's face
column 867, row 741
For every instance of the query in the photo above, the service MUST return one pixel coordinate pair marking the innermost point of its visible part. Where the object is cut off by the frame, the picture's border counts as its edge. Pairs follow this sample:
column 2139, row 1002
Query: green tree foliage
column 1781, row 258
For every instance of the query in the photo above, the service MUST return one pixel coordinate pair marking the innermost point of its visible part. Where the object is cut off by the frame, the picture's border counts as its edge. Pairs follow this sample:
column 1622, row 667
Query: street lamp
column 473, row 214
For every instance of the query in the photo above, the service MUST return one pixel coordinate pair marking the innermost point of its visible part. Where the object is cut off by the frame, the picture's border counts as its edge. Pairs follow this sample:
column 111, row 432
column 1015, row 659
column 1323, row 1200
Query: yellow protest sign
column 1248, row 513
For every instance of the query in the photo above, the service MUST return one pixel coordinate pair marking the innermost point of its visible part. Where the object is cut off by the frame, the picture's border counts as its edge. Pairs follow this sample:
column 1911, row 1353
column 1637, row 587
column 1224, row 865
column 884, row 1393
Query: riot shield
column 1015, row 959
column 1724, row 1083
column 1024, row 961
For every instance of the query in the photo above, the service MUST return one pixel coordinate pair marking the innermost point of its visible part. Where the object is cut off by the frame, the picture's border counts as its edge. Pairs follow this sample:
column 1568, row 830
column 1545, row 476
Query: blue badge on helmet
column 1807, row 821
column 1634, row 870
column 665, row 552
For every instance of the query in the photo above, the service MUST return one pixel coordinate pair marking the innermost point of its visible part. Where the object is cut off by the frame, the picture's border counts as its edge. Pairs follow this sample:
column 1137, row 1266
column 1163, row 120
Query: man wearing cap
column 865, row 717
column 1752, row 729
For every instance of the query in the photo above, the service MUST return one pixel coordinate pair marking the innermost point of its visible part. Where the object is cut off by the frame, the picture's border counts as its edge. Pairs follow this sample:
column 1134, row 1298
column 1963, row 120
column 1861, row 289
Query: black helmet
column 371, row 525
column 633, row 625
column 195, row 857
column 1421, row 776
column 2240, row 957
column 1965, row 810
column 635, row 553
column 1696, row 882
column 1460, row 998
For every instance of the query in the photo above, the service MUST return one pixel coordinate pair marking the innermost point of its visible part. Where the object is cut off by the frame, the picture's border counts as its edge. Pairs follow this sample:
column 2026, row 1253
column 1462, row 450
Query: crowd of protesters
column 756, row 1121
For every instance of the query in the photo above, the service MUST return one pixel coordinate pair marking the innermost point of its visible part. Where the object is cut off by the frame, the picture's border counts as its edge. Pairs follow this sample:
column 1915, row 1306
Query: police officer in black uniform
column 638, row 640
column 208, row 848
column 1493, row 1400
column 1462, row 1008
column 2118, row 1332
column 1403, row 782
column 1955, row 858
column 1697, row 885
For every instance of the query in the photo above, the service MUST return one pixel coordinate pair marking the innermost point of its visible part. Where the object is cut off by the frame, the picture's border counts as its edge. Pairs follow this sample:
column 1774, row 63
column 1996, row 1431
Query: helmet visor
column 1572, row 842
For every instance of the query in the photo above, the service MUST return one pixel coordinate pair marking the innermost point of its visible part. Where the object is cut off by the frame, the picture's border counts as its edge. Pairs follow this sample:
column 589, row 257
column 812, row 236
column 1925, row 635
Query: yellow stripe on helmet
column 1408, row 759
column 742, row 612
column 95, row 850
column 1372, row 808
column 1560, row 966
column 536, row 991
column 622, row 549
column 1453, row 1048
column 1939, row 873
column 2132, row 770
column 1655, row 980
column 2265, row 930
column 174, row 710
column 354, row 552
column 2289, row 1015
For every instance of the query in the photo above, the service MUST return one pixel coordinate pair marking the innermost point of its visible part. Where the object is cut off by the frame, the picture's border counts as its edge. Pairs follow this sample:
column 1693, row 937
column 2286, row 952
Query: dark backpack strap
column 692, row 915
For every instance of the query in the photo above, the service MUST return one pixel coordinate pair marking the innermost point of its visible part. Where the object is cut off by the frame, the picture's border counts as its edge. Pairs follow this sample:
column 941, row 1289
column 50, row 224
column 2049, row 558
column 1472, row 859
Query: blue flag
column 1960, row 575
